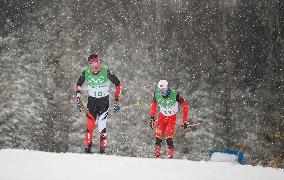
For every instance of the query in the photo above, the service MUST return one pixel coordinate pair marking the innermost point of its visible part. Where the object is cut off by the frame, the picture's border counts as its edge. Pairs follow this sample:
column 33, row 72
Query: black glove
column 184, row 125
column 152, row 122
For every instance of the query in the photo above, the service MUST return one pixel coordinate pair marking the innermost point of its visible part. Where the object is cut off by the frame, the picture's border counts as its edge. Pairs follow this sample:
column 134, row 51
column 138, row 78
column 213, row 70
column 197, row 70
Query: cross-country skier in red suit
column 168, row 101
column 98, row 78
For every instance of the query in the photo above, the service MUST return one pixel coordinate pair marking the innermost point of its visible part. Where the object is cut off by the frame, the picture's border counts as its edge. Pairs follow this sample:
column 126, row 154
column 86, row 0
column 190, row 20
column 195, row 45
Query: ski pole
column 137, row 104
column 194, row 125
column 80, row 107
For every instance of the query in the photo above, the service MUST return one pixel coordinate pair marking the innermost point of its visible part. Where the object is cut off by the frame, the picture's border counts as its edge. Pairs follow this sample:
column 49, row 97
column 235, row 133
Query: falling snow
column 225, row 57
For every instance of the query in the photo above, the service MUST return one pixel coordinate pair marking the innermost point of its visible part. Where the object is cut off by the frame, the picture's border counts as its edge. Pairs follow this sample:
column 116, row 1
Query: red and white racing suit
column 165, row 125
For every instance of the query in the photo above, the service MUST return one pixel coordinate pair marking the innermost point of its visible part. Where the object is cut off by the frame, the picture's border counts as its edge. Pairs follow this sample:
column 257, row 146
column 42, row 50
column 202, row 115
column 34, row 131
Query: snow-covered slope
column 35, row 165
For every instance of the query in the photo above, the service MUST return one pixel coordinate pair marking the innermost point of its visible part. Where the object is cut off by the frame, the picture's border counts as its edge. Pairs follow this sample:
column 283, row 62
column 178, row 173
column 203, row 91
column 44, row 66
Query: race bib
column 169, row 111
column 99, row 91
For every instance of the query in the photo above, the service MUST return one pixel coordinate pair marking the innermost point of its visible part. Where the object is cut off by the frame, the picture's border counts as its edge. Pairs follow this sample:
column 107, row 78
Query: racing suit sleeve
column 184, row 104
column 80, row 82
column 154, row 106
column 117, row 84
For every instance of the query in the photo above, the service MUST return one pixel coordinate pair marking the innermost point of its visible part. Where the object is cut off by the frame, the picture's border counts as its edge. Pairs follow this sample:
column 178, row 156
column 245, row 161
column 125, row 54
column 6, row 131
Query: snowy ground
column 35, row 165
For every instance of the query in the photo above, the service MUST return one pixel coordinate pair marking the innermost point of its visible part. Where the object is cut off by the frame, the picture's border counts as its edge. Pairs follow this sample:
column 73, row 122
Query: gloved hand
column 152, row 122
column 116, row 106
column 184, row 125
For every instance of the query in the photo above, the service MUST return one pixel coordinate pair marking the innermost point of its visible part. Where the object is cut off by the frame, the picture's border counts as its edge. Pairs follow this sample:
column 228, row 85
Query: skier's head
column 94, row 63
column 163, row 87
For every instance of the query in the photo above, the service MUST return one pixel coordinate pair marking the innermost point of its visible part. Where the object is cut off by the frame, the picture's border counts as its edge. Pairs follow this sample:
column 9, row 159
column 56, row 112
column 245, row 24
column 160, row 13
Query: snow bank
column 222, row 157
column 35, row 165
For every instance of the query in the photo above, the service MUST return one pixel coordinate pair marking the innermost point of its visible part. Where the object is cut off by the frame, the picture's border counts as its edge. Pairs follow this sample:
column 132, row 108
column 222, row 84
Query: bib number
column 168, row 112
column 98, row 94
column 99, row 91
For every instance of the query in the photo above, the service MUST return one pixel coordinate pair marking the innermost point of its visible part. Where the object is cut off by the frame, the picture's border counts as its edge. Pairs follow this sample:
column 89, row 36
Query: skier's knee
column 90, row 115
column 158, row 141
column 103, row 131
column 170, row 142
column 89, row 130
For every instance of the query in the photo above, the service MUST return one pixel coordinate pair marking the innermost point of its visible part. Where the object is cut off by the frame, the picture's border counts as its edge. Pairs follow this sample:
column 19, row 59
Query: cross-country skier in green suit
column 98, row 78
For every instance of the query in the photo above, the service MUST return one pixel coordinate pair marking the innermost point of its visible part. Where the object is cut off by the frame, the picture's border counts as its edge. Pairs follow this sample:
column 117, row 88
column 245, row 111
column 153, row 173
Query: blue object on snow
column 239, row 154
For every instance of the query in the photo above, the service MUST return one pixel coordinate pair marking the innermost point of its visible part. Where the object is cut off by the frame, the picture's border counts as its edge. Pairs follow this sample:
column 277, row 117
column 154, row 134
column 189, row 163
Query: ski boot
column 103, row 142
column 88, row 149
column 102, row 151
